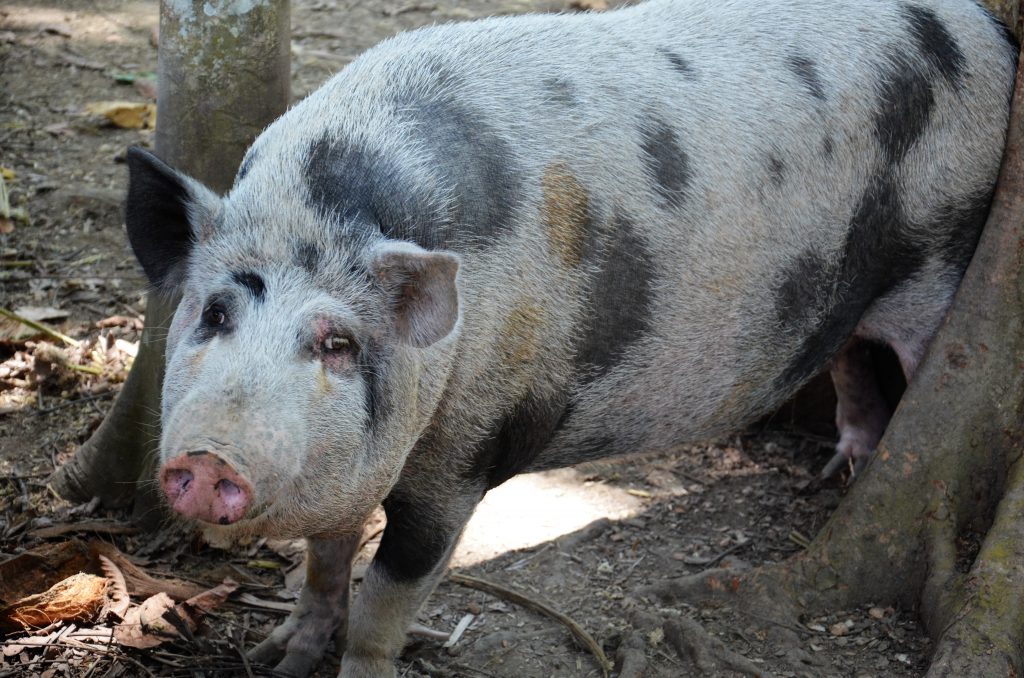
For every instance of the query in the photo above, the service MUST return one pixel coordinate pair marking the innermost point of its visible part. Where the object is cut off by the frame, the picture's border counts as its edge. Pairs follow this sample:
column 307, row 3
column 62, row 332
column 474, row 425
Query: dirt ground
column 586, row 541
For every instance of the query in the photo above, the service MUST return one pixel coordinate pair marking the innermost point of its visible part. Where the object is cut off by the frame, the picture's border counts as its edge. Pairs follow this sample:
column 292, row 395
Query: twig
column 69, row 403
column 85, row 368
column 799, row 539
column 508, row 594
column 95, row 526
column 39, row 327
column 460, row 628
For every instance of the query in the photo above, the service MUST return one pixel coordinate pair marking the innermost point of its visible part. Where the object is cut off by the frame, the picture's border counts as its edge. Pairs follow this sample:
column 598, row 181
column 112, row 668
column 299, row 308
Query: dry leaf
column 141, row 583
column 158, row 619
column 144, row 625
column 127, row 114
column 77, row 598
column 211, row 599
column 117, row 595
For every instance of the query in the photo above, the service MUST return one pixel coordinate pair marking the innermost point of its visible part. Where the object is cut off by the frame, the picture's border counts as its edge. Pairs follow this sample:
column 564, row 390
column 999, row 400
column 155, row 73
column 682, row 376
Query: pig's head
column 294, row 385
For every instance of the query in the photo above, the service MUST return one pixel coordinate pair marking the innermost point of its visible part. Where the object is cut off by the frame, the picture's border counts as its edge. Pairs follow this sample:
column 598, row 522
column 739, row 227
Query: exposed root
column 630, row 657
column 709, row 654
column 984, row 636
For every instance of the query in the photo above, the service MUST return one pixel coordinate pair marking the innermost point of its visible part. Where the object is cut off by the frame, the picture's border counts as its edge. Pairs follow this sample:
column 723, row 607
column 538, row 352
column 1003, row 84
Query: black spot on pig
column 412, row 545
column 905, row 102
column 828, row 147
column 621, row 296
column 517, row 438
column 808, row 283
column 307, row 255
column 935, row 43
column 807, row 71
column 476, row 161
column 366, row 189
column 776, row 170
column 247, row 163
column 960, row 223
column 666, row 163
column 679, row 63
column 877, row 256
column 371, row 361
column 560, row 90
column 252, row 282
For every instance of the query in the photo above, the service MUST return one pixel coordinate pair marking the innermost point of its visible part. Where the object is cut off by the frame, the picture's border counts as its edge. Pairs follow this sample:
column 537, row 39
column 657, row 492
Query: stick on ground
column 514, row 596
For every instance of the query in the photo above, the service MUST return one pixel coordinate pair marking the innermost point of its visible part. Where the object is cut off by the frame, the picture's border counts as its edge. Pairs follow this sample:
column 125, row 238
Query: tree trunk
column 224, row 74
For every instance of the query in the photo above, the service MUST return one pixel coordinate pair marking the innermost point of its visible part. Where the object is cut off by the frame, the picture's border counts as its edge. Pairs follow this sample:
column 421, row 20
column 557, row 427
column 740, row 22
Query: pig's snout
column 203, row 486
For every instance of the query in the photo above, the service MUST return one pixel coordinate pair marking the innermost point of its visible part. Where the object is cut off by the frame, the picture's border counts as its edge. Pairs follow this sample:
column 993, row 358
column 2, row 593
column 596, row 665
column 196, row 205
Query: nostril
column 227, row 489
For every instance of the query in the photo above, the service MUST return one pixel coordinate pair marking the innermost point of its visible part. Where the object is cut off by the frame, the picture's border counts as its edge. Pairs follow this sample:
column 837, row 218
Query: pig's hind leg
column 861, row 410
column 322, row 610
column 906, row 320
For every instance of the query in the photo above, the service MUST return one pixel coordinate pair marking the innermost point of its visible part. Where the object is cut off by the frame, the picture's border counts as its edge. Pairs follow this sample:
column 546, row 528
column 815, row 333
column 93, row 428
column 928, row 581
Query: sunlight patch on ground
column 537, row 507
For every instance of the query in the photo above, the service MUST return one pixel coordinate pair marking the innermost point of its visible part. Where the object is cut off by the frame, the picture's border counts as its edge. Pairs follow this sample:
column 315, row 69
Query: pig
column 516, row 244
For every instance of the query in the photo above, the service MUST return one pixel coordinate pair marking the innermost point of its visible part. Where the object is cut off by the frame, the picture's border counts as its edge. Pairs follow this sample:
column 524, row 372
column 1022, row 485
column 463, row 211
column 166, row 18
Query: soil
column 586, row 541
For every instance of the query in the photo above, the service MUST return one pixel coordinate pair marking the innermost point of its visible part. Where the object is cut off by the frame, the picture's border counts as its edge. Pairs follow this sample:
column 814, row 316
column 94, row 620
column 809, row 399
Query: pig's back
column 673, row 215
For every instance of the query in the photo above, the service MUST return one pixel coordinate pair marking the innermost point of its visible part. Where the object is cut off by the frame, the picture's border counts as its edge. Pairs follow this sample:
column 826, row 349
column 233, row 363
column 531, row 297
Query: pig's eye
column 215, row 316
column 336, row 343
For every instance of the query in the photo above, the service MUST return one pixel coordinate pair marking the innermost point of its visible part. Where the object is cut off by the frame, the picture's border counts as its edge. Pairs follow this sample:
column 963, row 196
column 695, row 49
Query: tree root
column 985, row 635
column 763, row 594
column 121, row 452
column 630, row 657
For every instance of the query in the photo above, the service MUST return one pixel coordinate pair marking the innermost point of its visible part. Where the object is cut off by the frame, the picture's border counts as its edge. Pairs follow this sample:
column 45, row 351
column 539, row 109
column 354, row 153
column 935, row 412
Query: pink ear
column 421, row 286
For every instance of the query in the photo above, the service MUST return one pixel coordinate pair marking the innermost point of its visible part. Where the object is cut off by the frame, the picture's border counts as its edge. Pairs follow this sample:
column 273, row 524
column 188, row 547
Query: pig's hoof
column 856, row 464
column 838, row 461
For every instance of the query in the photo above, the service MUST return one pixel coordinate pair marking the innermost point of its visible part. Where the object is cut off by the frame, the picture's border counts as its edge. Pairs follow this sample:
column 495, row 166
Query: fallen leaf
column 139, row 582
column 117, row 595
column 144, row 625
column 126, row 114
column 158, row 619
column 211, row 599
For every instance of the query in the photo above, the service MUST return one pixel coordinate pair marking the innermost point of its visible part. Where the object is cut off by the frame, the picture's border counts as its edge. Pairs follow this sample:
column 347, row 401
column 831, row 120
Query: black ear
column 165, row 210
column 421, row 285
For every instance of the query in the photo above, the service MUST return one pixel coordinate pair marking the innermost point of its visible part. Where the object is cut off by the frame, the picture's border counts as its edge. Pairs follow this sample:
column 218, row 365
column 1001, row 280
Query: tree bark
column 224, row 74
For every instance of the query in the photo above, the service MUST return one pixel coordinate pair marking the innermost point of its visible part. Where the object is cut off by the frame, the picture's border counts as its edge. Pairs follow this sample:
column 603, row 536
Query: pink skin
column 203, row 486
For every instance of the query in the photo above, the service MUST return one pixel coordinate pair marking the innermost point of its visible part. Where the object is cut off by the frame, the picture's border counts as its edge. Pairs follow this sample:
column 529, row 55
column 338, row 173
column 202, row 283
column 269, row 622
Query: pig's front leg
column 422, row 530
column 322, row 609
